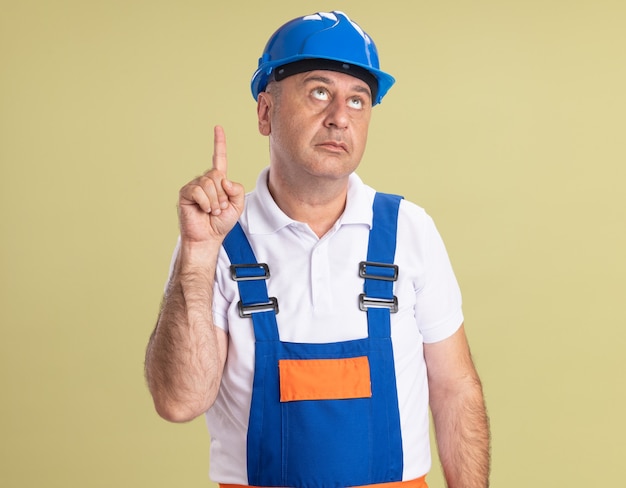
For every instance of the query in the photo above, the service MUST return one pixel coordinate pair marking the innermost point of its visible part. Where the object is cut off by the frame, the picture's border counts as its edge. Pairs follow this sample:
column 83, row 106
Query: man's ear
column 263, row 109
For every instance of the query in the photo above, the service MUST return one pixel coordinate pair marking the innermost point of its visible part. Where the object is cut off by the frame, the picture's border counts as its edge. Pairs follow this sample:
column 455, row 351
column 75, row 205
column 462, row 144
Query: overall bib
column 324, row 415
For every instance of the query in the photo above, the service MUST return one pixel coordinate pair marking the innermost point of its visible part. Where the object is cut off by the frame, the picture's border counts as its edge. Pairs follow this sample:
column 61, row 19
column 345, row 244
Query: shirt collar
column 265, row 217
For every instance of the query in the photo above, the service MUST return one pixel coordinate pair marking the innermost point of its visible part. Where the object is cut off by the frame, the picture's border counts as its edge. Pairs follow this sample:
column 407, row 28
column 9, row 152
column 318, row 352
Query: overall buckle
column 386, row 272
column 249, row 272
column 253, row 272
column 246, row 311
column 383, row 272
column 366, row 303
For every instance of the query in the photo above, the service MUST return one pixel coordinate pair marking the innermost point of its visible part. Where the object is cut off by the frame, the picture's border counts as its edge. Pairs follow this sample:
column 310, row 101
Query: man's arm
column 186, row 352
column 459, row 414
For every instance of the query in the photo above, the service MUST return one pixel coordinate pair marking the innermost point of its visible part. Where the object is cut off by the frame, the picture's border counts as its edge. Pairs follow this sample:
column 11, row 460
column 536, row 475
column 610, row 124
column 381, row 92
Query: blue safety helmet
column 325, row 40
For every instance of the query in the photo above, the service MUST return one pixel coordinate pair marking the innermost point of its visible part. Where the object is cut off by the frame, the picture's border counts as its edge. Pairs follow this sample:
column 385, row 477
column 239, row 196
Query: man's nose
column 337, row 115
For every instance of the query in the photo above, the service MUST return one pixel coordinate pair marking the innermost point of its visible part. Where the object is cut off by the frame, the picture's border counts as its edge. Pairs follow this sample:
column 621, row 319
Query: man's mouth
column 336, row 146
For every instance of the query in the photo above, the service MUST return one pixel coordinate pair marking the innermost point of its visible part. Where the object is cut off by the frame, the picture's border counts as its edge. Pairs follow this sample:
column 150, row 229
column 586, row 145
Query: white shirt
column 317, row 285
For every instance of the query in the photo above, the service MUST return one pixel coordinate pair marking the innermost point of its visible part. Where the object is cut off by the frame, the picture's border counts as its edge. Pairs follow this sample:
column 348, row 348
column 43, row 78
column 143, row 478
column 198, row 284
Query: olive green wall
column 506, row 123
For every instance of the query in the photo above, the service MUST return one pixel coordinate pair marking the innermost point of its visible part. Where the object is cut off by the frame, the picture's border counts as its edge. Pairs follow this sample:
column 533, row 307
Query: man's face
column 317, row 124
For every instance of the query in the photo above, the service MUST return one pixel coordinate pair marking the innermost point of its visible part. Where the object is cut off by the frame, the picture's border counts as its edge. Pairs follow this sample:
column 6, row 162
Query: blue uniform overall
column 304, row 431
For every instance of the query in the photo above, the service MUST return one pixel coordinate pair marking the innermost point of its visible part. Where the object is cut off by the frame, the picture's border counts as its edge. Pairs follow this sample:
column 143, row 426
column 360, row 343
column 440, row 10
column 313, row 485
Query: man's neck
column 319, row 204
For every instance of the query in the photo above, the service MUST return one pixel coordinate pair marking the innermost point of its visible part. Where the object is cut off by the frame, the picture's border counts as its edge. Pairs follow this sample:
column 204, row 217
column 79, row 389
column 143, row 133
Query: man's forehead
column 333, row 78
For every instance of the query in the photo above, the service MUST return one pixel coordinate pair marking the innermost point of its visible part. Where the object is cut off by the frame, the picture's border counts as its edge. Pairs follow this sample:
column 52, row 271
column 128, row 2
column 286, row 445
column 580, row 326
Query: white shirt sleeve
column 438, row 303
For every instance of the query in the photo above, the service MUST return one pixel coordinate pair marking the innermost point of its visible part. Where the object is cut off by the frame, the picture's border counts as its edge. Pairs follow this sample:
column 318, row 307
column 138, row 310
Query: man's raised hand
column 210, row 205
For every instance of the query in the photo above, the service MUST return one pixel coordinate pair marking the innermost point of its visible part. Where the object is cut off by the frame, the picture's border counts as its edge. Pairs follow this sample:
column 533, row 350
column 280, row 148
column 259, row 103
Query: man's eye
column 320, row 94
column 356, row 103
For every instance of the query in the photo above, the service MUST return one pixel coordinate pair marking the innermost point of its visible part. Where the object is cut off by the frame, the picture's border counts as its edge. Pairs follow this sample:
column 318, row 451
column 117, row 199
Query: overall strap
column 250, row 277
column 379, row 271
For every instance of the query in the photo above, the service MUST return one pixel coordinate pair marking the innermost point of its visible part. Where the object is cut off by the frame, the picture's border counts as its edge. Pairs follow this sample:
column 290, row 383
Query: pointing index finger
column 220, row 161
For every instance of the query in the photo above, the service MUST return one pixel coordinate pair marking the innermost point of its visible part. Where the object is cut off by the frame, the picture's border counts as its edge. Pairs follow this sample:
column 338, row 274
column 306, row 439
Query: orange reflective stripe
column 416, row 483
column 324, row 379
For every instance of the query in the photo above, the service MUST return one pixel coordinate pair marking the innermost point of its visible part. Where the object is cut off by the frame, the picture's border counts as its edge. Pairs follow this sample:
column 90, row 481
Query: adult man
column 314, row 367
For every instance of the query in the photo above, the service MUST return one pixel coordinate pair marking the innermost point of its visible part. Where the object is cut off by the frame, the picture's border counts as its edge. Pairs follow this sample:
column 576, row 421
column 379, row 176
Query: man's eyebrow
column 322, row 79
